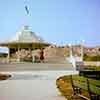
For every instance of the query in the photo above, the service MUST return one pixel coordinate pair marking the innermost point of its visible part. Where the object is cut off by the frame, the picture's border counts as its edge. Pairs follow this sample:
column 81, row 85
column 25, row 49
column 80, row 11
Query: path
column 34, row 85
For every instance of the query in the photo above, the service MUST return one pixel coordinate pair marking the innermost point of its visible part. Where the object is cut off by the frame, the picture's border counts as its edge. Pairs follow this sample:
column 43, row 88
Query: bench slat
column 81, row 85
column 95, row 82
column 88, row 84
column 94, row 89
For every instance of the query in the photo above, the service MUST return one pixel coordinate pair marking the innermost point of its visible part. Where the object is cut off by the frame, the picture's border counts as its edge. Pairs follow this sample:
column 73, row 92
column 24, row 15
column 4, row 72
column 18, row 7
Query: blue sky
column 56, row 21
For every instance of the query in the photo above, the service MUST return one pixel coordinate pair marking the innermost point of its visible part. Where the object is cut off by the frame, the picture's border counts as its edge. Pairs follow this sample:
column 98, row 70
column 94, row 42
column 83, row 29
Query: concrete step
column 61, row 60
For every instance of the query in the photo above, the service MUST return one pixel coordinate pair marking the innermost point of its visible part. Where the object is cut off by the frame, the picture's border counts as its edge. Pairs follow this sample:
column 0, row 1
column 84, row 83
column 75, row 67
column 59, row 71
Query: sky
column 56, row 21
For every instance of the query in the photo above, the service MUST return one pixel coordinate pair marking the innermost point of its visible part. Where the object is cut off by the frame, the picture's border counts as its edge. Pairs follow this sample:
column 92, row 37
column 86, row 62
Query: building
column 21, row 46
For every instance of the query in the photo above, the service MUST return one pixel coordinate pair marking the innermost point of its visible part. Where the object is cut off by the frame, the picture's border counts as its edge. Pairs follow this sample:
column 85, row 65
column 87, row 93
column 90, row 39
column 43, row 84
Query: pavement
column 34, row 66
column 32, row 85
column 29, row 90
column 33, row 81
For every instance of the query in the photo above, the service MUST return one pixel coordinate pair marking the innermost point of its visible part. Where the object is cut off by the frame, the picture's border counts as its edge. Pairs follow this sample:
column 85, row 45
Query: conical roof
column 27, row 36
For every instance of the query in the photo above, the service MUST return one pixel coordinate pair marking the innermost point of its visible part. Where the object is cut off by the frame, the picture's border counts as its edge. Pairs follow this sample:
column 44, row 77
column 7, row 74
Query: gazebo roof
column 27, row 36
column 25, row 39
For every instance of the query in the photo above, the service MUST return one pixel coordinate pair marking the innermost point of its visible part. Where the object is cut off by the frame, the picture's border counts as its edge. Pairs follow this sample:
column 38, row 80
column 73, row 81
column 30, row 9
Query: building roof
column 27, row 36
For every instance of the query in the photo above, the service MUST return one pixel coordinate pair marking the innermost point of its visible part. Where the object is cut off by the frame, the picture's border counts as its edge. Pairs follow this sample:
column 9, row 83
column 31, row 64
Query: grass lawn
column 64, row 85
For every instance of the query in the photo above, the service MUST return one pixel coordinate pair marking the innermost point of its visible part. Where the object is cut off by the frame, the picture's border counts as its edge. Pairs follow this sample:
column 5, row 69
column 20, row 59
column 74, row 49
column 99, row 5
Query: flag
column 26, row 8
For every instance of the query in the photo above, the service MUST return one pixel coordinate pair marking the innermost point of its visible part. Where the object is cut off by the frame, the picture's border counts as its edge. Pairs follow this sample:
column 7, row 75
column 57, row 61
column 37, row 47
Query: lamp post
column 82, row 51
column 70, row 50
column 72, row 58
column 55, row 46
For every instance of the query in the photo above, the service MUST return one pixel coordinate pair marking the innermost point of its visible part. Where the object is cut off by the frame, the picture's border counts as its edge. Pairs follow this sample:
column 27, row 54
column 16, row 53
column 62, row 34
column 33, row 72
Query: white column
column 33, row 58
column 30, row 51
column 18, row 56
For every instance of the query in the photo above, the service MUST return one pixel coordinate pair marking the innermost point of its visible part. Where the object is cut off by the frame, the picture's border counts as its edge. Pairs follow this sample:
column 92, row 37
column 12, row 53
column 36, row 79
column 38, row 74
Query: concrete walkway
column 32, row 85
column 29, row 90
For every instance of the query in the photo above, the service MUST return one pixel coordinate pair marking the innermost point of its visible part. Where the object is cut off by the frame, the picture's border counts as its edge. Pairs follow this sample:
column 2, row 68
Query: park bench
column 89, row 85
column 90, row 74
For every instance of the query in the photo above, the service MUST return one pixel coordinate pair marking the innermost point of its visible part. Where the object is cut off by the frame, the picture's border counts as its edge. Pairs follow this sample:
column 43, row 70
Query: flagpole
column 26, row 8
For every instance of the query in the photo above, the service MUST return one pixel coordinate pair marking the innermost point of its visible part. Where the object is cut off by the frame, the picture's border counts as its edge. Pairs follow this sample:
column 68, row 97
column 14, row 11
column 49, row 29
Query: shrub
column 93, row 58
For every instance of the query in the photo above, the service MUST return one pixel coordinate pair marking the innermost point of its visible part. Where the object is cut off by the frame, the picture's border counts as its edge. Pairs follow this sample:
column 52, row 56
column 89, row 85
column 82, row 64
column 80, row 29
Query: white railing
column 73, row 60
